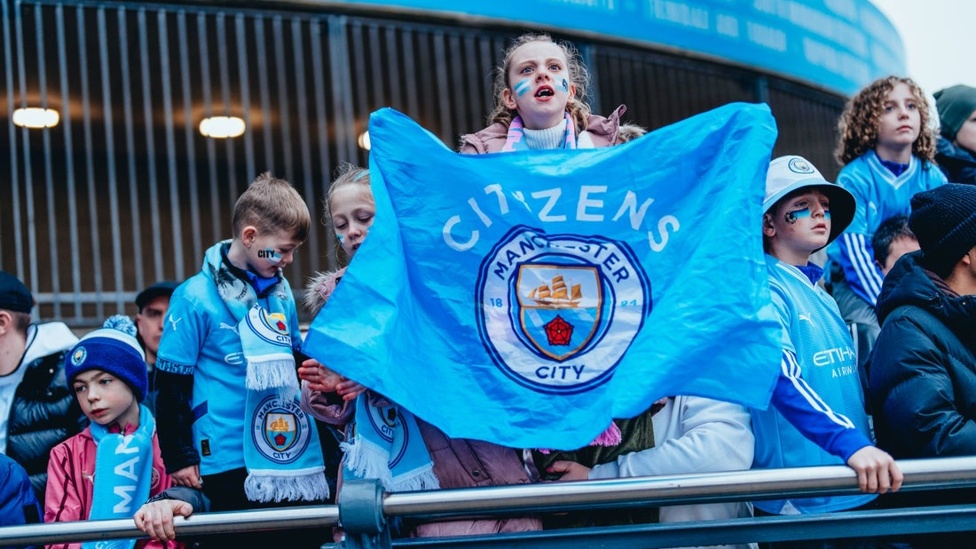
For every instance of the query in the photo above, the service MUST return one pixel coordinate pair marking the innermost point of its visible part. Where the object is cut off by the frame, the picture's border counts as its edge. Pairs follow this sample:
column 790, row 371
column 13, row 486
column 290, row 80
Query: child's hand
column 188, row 476
column 349, row 389
column 569, row 470
column 319, row 377
column 876, row 470
column 156, row 518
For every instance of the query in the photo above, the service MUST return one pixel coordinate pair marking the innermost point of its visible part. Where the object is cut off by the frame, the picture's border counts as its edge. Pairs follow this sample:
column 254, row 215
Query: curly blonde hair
column 858, row 125
column 577, row 107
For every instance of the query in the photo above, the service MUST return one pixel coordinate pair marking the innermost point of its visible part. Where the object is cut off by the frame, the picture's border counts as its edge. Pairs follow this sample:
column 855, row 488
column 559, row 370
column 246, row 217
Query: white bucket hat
column 789, row 173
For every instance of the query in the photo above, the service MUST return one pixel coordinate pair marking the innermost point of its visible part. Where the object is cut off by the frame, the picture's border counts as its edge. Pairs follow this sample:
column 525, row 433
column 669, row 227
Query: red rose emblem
column 558, row 331
column 279, row 439
column 281, row 326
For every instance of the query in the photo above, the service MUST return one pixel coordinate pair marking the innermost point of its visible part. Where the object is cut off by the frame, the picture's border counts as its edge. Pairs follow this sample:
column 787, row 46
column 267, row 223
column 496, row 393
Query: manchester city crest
column 79, row 356
column 383, row 419
column 800, row 165
column 280, row 429
column 558, row 312
column 270, row 327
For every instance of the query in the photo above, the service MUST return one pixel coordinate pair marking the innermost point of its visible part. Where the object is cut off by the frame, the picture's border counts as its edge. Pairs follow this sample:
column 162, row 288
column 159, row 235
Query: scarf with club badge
column 281, row 444
column 385, row 443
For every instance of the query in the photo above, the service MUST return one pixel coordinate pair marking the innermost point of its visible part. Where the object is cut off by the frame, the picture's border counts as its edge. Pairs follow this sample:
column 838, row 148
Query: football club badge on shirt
column 558, row 312
column 281, row 429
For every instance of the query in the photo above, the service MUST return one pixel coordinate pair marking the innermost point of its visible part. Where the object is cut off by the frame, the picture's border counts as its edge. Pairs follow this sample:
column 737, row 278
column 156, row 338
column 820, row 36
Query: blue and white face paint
column 522, row 86
column 564, row 86
column 270, row 255
column 796, row 215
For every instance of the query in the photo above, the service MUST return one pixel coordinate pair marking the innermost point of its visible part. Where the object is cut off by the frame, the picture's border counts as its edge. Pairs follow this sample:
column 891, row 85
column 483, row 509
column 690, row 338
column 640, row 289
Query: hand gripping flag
column 528, row 298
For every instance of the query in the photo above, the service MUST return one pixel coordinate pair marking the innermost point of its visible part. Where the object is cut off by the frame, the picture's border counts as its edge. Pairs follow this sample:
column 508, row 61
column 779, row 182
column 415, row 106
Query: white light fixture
column 364, row 140
column 222, row 127
column 36, row 118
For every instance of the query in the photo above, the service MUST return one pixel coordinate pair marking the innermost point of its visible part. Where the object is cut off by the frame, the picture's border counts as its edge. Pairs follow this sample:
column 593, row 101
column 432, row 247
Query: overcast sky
column 939, row 38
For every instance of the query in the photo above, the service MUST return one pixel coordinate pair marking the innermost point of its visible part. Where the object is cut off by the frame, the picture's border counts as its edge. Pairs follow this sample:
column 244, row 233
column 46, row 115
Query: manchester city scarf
column 123, row 474
column 281, row 445
column 282, row 451
column 385, row 443
column 515, row 140
column 267, row 347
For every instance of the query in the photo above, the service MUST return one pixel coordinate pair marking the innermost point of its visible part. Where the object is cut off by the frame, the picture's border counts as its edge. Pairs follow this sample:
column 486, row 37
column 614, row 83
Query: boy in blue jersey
column 230, row 422
column 818, row 417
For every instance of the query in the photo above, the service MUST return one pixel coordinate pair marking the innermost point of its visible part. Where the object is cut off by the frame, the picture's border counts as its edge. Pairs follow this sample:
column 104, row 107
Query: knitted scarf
column 384, row 442
column 516, row 132
column 281, row 444
column 123, row 474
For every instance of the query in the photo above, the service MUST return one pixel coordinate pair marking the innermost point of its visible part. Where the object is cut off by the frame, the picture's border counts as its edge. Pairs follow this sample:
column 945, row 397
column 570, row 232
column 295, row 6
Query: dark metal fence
column 125, row 190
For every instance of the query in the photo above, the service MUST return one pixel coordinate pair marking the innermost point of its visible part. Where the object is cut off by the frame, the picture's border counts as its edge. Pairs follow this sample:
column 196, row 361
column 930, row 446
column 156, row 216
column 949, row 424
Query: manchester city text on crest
column 280, row 429
column 557, row 312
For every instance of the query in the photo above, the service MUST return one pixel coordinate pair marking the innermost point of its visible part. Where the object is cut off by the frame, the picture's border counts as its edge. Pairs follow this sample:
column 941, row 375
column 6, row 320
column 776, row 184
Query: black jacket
column 958, row 165
column 923, row 369
column 923, row 383
column 44, row 412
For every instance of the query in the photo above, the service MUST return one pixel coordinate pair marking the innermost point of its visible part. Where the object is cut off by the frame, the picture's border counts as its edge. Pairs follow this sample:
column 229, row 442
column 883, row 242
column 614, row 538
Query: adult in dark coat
column 37, row 411
column 956, row 148
column 923, row 368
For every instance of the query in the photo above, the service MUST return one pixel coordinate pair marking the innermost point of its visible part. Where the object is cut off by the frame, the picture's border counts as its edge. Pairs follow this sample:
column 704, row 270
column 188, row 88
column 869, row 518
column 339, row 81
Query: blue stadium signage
column 839, row 45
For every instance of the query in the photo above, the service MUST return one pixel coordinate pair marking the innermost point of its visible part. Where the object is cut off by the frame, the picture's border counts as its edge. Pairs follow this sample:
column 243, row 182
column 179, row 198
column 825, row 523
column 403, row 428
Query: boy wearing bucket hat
column 107, row 470
column 818, row 417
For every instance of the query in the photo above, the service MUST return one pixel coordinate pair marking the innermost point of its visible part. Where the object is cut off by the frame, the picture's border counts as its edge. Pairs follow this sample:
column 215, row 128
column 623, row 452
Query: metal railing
column 364, row 510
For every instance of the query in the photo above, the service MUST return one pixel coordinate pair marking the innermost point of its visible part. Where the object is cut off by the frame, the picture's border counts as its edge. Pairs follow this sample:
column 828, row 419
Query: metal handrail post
column 361, row 515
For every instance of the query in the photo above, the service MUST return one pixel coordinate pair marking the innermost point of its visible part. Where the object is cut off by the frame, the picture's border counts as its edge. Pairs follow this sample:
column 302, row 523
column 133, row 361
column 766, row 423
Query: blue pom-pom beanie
column 114, row 349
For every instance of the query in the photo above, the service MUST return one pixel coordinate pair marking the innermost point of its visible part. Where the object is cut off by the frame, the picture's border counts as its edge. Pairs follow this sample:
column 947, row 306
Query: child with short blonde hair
column 226, row 368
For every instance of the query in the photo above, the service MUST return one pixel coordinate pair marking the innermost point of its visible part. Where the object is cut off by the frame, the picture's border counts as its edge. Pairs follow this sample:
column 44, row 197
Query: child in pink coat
column 114, row 465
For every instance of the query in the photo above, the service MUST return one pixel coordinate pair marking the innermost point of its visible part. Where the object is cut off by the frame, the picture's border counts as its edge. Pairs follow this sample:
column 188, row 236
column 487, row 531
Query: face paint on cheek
column 340, row 237
column 522, row 87
column 565, row 85
column 269, row 254
column 796, row 215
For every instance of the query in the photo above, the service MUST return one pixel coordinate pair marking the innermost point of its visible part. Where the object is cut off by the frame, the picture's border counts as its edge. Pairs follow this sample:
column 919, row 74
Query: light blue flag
column 528, row 298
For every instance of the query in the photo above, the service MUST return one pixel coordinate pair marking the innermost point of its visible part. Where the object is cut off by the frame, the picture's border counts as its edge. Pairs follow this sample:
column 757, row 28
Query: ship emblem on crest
column 557, row 312
column 556, row 318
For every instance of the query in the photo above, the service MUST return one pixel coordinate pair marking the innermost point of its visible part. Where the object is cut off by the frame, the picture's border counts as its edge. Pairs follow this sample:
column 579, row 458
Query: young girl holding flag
column 541, row 103
column 541, row 90
column 428, row 461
